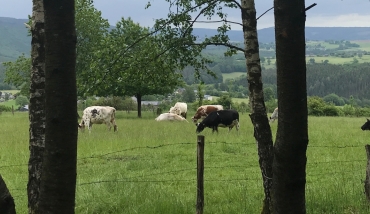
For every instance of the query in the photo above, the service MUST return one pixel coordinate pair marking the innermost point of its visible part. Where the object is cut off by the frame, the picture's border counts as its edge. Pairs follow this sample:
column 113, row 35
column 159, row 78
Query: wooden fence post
column 200, row 173
column 12, row 109
column 367, row 180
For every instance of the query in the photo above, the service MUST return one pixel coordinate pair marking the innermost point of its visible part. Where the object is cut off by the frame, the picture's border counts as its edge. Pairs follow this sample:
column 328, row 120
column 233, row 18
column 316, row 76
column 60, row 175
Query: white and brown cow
column 170, row 117
column 180, row 109
column 98, row 115
column 203, row 111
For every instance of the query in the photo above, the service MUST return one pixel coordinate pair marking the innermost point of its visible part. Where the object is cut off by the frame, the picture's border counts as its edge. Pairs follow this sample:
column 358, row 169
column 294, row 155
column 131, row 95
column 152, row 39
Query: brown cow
column 203, row 111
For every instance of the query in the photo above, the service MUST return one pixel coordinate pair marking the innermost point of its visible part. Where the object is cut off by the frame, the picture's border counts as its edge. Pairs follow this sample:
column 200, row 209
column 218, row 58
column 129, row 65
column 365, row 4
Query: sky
column 327, row 13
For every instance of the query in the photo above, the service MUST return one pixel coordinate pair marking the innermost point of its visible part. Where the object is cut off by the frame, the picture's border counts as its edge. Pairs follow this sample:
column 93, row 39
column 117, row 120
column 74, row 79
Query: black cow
column 366, row 126
column 222, row 118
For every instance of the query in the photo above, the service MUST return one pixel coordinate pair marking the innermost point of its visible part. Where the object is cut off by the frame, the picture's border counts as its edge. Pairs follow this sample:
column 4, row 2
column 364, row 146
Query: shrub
column 315, row 106
column 331, row 110
column 116, row 102
column 5, row 108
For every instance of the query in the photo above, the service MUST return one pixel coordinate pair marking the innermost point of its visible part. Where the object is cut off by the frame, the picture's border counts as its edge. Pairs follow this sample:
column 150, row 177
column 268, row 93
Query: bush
column 331, row 110
column 225, row 100
column 315, row 106
column 21, row 100
column 348, row 110
column 5, row 108
column 116, row 102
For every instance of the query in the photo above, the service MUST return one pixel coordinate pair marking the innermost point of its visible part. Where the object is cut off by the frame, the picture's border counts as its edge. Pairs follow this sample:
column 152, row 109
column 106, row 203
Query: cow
column 366, row 126
column 170, row 117
column 204, row 110
column 222, row 118
column 98, row 115
column 180, row 109
column 274, row 116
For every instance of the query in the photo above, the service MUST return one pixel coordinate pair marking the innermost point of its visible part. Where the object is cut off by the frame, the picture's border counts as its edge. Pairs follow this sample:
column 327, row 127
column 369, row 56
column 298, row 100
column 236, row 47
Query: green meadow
column 150, row 167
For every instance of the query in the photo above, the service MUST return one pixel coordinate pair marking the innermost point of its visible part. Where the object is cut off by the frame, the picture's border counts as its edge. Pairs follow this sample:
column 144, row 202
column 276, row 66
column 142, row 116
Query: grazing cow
column 180, row 109
column 222, row 118
column 170, row 117
column 274, row 115
column 204, row 110
column 366, row 126
column 98, row 115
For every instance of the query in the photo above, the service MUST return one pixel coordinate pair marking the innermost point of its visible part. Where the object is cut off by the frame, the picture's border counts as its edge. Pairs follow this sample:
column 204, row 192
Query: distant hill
column 267, row 35
column 14, row 39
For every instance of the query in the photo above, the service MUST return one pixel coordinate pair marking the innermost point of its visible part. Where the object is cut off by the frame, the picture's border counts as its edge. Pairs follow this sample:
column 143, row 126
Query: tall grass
column 150, row 167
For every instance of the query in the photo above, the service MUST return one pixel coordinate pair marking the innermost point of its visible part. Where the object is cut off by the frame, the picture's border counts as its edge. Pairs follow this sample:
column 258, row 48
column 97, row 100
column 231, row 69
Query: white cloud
column 345, row 20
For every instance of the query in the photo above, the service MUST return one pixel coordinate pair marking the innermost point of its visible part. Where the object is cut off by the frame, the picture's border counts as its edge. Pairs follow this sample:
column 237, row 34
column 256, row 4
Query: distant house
column 146, row 103
column 208, row 97
column 153, row 103
column 24, row 108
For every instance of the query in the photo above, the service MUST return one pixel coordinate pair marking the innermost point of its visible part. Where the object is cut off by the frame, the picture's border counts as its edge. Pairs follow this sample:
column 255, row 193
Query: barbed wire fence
column 148, row 177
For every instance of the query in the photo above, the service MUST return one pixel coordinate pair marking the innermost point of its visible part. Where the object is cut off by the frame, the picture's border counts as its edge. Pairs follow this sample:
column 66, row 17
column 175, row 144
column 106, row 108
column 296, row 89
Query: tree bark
column 36, row 106
column 58, row 181
column 7, row 205
column 138, row 100
column 289, row 164
column 262, row 130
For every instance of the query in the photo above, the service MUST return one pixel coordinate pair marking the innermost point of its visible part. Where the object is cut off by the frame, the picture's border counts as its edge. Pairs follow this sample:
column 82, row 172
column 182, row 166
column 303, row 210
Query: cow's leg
column 113, row 121
column 89, row 125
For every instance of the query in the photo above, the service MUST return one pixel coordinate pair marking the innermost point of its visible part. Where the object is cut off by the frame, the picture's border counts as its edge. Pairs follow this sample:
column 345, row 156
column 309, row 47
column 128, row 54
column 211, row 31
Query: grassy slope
column 149, row 166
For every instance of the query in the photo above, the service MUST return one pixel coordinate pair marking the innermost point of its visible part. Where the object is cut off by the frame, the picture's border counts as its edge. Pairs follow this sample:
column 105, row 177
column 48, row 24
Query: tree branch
column 220, row 21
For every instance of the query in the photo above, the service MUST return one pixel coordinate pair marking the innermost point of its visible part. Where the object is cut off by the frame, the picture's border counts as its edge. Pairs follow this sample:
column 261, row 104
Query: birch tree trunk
column 36, row 106
column 58, row 181
column 7, row 205
column 289, row 164
column 262, row 130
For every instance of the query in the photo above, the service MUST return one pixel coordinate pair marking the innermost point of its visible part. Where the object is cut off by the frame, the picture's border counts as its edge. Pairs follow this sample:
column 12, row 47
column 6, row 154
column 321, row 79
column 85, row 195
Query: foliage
column 18, row 73
column 268, row 94
column 188, row 95
column 116, row 102
column 91, row 30
column 271, row 105
column 315, row 106
column 21, row 100
column 226, row 101
column 141, row 68
column 333, row 98
column 5, row 108
column 330, row 110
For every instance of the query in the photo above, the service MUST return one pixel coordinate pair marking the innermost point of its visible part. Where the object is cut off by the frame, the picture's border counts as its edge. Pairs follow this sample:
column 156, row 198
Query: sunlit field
column 149, row 167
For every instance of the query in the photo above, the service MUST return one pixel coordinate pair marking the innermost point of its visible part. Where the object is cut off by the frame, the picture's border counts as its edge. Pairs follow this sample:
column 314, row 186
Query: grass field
column 232, row 75
column 10, row 103
column 10, row 91
column 149, row 167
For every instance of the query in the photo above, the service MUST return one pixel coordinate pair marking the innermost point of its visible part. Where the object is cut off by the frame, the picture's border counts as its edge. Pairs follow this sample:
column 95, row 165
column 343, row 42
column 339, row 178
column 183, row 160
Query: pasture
column 150, row 167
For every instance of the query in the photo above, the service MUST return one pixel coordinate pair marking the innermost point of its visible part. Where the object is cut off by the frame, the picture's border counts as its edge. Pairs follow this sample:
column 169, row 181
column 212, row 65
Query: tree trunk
column 138, row 100
column 7, row 205
column 262, row 130
column 289, row 164
column 58, row 181
column 36, row 106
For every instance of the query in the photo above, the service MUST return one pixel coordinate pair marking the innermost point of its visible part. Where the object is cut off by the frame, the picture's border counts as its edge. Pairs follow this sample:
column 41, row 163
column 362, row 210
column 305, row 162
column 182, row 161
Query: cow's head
column 200, row 127
column 81, row 126
column 366, row 126
column 194, row 120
